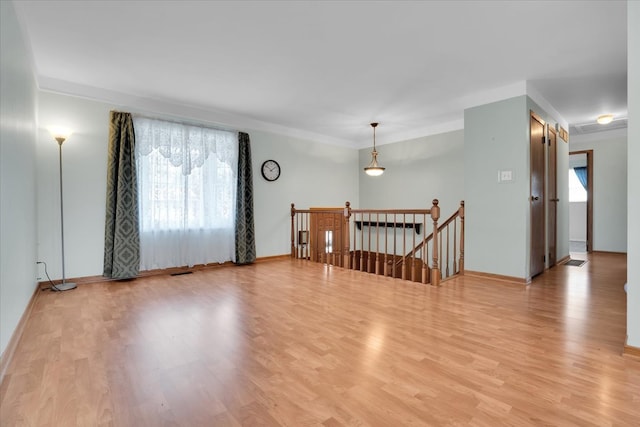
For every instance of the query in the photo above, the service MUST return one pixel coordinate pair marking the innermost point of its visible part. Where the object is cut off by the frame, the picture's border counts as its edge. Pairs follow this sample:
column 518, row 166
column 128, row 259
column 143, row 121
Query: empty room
column 322, row 213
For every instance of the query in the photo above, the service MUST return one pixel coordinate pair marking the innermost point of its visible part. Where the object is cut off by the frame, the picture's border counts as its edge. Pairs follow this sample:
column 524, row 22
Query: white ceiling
column 326, row 69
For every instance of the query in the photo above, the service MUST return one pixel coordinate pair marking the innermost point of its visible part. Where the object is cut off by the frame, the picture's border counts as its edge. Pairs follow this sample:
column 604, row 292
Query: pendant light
column 374, row 169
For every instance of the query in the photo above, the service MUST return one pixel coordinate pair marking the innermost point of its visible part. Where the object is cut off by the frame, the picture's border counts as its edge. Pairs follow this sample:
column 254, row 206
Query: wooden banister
column 441, row 227
column 325, row 235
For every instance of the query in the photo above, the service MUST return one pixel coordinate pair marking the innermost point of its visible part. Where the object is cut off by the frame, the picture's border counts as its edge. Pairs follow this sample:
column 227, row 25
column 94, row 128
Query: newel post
column 435, row 269
column 293, row 247
column 461, row 214
column 346, row 253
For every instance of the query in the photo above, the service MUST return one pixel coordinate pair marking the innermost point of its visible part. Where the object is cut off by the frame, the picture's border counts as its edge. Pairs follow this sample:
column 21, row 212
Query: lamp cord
column 52, row 286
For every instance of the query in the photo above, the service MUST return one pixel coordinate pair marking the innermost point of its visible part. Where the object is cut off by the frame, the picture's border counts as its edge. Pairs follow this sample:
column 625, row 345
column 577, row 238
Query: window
column 186, row 193
column 577, row 193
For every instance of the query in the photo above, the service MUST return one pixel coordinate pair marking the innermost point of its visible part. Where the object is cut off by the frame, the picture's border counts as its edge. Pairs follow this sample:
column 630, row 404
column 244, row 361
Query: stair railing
column 451, row 249
column 377, row 240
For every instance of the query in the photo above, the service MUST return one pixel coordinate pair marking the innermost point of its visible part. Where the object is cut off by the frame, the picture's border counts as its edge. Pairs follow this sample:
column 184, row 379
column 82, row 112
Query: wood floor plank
column 292, row 343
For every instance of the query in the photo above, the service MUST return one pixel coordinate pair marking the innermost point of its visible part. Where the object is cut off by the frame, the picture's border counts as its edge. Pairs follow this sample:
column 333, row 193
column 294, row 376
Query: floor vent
column 575, row 263
column 180, row 273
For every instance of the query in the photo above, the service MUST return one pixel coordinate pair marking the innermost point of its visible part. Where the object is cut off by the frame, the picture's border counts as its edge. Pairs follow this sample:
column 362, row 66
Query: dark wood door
column 537, row 195
column 553, row 197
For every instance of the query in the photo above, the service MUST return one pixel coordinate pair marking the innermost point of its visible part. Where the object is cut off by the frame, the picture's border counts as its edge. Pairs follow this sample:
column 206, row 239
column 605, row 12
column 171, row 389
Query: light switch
column 505, row 176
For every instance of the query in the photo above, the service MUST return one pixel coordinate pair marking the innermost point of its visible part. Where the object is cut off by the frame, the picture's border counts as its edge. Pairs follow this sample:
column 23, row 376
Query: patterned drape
column 245, row 234
column 122, row 237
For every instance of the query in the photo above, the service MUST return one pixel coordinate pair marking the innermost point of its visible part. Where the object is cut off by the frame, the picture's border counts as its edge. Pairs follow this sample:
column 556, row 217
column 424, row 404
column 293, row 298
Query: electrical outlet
column 38, row 277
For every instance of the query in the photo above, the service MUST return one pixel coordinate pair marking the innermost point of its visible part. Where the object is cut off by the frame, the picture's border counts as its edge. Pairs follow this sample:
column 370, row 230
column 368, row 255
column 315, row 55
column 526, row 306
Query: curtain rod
column 180, row 121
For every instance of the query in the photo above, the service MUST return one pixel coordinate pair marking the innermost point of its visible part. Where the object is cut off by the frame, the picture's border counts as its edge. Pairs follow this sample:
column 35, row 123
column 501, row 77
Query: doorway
column 581, row 201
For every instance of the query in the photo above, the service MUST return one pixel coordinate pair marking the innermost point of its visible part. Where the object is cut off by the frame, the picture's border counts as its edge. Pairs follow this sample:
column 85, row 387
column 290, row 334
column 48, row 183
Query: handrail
column 427, row 239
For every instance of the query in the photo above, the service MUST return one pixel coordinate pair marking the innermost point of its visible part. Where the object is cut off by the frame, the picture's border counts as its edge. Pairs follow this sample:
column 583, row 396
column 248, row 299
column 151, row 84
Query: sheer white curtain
column 186, row 192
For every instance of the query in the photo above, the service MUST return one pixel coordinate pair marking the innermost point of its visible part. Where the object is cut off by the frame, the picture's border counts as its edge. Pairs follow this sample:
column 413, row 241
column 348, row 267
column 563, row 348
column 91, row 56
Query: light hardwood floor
column 295, row 344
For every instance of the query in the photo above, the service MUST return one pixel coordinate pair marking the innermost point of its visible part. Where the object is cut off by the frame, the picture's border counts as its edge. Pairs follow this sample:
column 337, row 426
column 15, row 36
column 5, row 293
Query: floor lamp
column 61, row 135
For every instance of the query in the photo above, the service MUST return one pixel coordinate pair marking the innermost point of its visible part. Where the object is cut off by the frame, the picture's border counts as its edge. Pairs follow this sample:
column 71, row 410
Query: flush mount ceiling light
column 374, row 169
column 605, row 119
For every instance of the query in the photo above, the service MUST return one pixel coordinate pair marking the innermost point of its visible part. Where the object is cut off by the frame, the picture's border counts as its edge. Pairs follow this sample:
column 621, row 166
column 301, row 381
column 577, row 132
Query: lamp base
column 66, row 286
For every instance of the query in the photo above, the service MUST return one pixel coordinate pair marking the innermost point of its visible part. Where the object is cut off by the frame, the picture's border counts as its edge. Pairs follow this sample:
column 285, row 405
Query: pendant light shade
column 374, row 169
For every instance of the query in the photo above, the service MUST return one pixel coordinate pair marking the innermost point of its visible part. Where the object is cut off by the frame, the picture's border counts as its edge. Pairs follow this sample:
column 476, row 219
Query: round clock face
column 270, row 170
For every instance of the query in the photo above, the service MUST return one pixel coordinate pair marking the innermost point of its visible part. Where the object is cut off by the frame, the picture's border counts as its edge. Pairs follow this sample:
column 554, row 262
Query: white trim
column 147, row 105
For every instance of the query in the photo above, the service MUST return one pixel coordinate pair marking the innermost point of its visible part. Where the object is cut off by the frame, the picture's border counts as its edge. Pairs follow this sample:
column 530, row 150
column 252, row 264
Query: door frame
column 542, row 197
column 552, row 187
column 589, row 154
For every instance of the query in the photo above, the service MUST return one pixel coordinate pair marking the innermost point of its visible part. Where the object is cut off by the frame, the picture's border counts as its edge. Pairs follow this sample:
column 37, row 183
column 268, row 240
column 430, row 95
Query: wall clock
column 270, row 170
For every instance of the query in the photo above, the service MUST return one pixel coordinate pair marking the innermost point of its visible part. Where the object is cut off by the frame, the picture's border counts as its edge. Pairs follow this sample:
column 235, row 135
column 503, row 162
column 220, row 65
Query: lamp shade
column 374, row 169
column 60, row 133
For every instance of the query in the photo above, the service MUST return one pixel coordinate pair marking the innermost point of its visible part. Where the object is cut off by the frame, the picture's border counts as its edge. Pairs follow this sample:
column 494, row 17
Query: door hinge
column 544, row 258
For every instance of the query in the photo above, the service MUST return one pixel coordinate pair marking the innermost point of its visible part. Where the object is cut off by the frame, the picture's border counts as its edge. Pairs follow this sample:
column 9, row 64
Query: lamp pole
column 64, row 286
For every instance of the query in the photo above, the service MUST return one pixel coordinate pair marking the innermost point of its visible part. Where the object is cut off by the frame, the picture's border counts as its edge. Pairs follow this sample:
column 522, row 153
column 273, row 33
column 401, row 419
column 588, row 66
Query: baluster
column 447, row 263
column 293, row 214
column 307, row 219
column 404, row 247
column 299, row 247
column 386, row 246
column 413, row 254
column 369, row 243
column 346, row 256
column 455, row 246
column 435, row 215
column 461, row 214
column 362, row 242
column 395, row 245
column 423, row 250
column 426, row 247
column 355, row 245
column 441, row 252
column 316, row 253
column 377, row 243
column 299, row 235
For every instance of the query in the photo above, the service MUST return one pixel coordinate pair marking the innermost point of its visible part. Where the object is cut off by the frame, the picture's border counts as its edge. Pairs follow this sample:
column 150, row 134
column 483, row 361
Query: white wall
column 578, row 221
column 417, row 171
column 84, row 157
column 497, row 214
column 497, row 238
column 609, row 187
column 633, row 176
column 312, row 174
column 18, row 118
